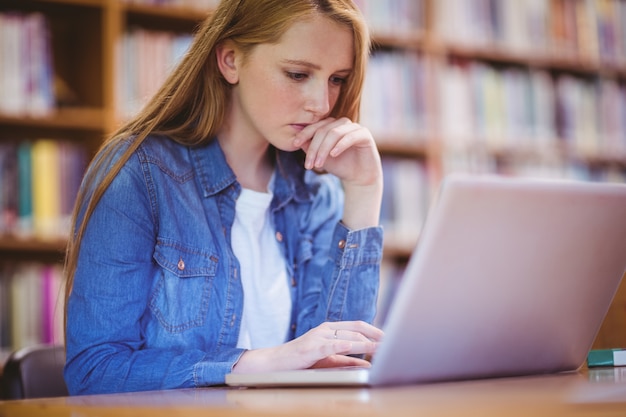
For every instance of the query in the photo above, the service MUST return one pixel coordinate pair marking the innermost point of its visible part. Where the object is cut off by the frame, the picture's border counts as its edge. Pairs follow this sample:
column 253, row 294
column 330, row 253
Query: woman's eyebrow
column 309, row 65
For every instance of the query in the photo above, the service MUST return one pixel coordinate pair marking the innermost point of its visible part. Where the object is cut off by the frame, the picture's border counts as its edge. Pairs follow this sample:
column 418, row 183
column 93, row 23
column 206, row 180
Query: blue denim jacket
column 157, row 300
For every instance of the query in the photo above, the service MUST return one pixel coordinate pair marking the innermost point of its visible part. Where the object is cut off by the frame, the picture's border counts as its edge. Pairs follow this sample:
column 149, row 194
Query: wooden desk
column 593, row 393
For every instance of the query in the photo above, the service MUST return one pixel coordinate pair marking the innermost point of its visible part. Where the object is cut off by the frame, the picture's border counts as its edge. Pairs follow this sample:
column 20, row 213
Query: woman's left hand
column 347, row 150
column 342, row 148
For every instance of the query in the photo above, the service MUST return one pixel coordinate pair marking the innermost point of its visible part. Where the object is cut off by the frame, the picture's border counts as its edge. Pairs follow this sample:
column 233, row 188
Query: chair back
column 34, row 372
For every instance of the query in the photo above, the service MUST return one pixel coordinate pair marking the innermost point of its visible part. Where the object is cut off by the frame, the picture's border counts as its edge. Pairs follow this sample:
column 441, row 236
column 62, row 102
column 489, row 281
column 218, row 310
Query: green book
column 606, row 357
column 25, row 188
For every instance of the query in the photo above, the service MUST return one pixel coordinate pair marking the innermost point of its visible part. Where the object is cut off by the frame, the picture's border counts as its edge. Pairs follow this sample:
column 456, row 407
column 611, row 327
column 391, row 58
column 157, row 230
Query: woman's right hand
column 327, row 345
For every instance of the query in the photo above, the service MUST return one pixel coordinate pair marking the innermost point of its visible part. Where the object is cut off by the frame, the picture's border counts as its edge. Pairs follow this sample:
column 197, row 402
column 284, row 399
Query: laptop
column 510, row 277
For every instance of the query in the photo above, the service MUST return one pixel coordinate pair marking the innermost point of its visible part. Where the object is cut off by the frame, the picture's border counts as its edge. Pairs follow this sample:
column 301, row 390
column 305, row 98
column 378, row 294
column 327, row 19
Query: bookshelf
column 77, row 47
column 473, row 64
column 437, row 59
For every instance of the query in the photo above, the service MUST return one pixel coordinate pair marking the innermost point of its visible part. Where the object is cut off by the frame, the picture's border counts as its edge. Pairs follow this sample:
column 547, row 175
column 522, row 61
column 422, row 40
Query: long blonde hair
column 190, row 106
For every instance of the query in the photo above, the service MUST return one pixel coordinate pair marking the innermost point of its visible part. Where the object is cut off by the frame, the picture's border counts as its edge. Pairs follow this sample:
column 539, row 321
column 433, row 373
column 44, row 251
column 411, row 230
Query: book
column 145, row 59
column 8, row 187
column 5, row 307
column 26, row 307
column 31, row 304
column 25, row 189
column 26, row 69
column 606, row 357
column 405, row 196
column 46, row 188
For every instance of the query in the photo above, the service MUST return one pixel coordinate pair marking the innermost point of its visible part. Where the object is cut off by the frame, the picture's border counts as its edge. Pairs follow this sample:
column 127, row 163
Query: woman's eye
column 337, row 80
column 296, row 76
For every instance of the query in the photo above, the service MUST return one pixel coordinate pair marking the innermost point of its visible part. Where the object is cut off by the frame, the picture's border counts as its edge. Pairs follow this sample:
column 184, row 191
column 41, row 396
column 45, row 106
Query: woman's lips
column 299, row 126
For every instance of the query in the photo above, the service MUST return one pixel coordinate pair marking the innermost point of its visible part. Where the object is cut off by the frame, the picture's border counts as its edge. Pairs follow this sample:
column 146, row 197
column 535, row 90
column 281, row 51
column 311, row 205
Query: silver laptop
column 510, row 277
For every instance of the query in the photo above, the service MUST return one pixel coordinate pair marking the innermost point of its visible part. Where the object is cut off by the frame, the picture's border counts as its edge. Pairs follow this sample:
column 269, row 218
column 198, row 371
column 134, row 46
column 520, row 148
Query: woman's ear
column 225, row 54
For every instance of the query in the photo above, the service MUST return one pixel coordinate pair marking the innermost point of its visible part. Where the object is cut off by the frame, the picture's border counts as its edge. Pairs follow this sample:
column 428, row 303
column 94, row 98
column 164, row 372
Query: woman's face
column 283, row 87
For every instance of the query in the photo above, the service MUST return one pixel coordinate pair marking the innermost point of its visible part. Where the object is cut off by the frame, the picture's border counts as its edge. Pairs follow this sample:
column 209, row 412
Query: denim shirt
column 157, row 298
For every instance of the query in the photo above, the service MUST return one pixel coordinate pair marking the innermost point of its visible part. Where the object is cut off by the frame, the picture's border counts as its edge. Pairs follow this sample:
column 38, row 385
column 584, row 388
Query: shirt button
column 181, row 264
column 293, row 282
column 342, row 244
column 279, row 236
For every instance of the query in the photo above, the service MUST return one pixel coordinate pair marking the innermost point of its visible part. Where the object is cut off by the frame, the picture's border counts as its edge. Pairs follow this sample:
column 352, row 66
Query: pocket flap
column 185, row 261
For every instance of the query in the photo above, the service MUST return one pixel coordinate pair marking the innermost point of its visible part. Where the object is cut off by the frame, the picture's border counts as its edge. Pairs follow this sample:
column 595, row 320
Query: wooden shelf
column 408, row 41
column 30, row 249
column 404, row 147
column 174, row 18
column 89, row 3
column 170, row 12
column 568, row 62
column 65, row 118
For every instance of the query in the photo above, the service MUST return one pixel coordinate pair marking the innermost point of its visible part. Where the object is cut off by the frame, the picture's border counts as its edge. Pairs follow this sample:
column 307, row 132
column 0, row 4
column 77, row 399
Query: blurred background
column 533, row 88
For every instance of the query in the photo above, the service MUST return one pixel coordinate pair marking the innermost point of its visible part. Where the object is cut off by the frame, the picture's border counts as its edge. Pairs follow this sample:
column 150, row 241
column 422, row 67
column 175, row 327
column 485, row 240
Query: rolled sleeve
column 357, row 256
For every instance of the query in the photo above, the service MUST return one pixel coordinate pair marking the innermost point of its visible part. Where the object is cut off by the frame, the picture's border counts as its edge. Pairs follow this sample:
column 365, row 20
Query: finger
column 344, row 347
column 351, row 336
column 327, row 140
column 336, row 361
column 359, row 136
column 314, row 153
column 370, row 332
column 307, row 133
column 322, row 137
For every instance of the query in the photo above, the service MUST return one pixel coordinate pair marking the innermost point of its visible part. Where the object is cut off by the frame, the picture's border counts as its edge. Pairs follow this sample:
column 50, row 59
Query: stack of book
column 31, row 305
column 39, row 181
column 529, row 108
column 589, row 29
column 405, row 200
column 147, row 58
column 26, row 70
column 399, row 17
column 394, row 96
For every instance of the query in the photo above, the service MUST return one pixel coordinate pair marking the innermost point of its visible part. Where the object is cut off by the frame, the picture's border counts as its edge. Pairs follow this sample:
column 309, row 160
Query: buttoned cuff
column 357, row 247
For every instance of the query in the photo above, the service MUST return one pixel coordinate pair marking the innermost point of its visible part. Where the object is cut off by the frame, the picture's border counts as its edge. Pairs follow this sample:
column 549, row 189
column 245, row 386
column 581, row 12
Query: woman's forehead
column 316, row 40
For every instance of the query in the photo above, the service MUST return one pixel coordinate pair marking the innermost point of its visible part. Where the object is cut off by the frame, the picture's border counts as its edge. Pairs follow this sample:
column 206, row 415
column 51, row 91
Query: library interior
column 533, row 88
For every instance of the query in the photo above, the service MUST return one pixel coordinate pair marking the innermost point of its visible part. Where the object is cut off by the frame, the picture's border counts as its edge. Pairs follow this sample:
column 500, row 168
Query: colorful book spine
column 146, row 58
column 405, row 200
column 26, row 67
column 25, row 189
column 38, row 186
column 398, row 17
column 46, row 188
column 394, row 95
column 31, row 305
column 589, row 29
column 197, row 4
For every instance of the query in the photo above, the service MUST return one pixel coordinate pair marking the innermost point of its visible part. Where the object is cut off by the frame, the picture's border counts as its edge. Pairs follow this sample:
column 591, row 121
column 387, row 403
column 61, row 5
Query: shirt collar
column 215, row 174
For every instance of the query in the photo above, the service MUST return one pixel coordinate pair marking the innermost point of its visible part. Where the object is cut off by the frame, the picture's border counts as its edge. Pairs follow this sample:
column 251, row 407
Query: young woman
column 232, row 225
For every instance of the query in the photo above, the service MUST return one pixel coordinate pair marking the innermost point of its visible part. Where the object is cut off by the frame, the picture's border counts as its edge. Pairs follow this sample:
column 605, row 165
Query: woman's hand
column 343, row 148
column 324, row 346
column 348, row 151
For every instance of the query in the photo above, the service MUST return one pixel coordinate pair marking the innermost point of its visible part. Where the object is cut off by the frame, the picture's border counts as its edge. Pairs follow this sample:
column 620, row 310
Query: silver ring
column 336, row 330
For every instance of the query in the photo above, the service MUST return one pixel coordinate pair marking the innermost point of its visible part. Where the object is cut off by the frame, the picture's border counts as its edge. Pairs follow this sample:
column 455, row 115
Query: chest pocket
column 181, row 294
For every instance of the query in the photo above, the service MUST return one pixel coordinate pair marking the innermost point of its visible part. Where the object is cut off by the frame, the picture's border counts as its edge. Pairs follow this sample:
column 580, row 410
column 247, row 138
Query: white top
column 267, row 299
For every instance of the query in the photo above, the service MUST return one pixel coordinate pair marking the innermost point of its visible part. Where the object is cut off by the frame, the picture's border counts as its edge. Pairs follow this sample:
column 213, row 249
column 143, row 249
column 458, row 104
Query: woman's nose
column 318, row 100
